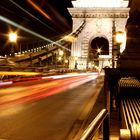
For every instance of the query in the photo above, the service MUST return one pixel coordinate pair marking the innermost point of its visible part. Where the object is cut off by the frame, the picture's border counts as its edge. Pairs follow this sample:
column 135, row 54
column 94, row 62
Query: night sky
column 52, row 21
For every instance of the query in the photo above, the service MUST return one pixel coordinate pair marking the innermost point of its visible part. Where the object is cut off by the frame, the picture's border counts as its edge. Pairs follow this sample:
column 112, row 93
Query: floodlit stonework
column 101, row 21
column 100, row 3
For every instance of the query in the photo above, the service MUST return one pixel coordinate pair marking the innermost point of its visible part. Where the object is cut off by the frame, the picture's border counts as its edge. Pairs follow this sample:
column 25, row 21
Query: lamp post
column 66, row 63
column 119, row 38
column 12, row 39
column 61, row 57
column 61, row 52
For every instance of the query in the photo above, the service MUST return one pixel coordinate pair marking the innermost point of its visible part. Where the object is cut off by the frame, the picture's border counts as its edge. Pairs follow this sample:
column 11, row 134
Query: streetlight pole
column 12, row 39
column 12, row 50
column 66, row 63
column 119, row 40
column 61, row 56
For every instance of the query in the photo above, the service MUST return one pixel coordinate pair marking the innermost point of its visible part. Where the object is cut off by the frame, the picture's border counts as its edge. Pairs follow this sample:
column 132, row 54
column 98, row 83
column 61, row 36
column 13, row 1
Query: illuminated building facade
column 102, row 19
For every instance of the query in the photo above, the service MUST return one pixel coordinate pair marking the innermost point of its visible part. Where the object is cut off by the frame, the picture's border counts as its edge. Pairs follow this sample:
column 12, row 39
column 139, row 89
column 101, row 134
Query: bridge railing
column 130, row 109
column 128, row 99
column 101, row 118
column 49, row 47
column 131, row 134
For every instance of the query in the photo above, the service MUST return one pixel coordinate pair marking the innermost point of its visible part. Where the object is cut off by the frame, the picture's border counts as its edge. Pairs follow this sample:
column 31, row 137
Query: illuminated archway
column 99, row 46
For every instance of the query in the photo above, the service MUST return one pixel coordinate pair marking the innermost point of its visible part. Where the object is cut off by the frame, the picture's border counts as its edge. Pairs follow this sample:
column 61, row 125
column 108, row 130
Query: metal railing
column 130, row 111
column 101, row 118
column 131, row 119
column 131, row 134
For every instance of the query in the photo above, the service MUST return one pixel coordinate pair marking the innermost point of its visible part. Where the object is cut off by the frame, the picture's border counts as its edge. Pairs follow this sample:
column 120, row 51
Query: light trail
column 5, row 83
column 39, row 9
column 20, row 80
column 32, row 15
column 21, row 94
column 31, row 32
column 67, row 75
column 19, row 73
column 9, row 82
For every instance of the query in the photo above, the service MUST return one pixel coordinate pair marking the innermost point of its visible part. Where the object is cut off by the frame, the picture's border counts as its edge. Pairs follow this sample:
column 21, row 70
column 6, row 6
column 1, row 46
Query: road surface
column 47, row 108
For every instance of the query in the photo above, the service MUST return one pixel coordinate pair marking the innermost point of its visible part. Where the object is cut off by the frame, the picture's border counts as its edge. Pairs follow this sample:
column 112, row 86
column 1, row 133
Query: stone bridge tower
column 102, row 19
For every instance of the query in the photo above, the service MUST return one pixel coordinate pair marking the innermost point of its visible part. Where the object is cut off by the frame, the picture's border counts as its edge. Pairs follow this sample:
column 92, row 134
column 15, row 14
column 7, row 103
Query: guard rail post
column 106, row 128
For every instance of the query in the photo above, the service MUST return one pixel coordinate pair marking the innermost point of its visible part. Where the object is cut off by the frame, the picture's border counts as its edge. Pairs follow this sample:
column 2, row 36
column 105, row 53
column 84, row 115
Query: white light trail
column 31, row 32
column 5, row 83
column 68, row 75
column 32, row 15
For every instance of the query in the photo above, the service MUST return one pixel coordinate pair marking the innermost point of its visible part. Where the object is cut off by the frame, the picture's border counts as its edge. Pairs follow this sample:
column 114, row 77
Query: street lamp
column 59, row 58
column 61, row 53
column 119, row 39
column 66, row 62
column 12, row 39
column 69, row 38
column 99, row 50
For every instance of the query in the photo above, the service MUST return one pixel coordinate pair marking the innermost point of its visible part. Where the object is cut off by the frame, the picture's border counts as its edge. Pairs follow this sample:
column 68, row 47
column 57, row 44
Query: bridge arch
column 99, row 45
column 99, row 42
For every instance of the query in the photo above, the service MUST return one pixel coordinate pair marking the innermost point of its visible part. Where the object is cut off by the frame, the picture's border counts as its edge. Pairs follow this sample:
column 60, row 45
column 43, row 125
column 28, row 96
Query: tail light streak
column 40, row 91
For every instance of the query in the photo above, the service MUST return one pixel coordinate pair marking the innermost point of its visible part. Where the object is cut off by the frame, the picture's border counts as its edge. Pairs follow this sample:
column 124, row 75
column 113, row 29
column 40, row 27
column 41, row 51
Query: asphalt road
column 48, row 118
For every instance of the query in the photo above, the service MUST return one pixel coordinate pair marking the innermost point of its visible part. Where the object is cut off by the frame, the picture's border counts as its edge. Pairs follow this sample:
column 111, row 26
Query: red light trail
column 21, row 93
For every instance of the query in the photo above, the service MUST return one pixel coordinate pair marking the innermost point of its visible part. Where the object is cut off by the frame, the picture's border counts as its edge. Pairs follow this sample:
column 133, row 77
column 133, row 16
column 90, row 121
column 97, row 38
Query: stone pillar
column 130, row 58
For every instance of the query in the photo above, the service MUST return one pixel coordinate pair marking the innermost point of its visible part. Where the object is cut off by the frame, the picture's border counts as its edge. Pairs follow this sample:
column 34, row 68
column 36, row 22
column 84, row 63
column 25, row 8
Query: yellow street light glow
column 59, row 58
column 12, row 37
column 76, row 58
column 66, row 61
column 69, row 38
column 99, row 50
column 61, row 52
column 120, row 37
